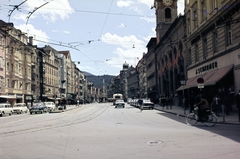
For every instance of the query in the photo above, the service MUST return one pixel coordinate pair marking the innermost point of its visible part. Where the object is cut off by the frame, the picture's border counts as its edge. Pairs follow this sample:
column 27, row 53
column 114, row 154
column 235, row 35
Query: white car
column 20, row 108
column 51, row 106
column 147, row 104
column 5, row 108
column 119, row 103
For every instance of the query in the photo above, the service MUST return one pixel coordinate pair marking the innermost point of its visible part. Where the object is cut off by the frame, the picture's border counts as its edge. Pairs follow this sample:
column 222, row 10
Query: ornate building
column 212, row 47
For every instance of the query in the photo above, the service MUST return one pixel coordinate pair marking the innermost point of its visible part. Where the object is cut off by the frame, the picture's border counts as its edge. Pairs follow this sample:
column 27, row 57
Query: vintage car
column 147, row 104
column 38, row 107
column 51, row 106
column 20, row 108
column 119, row 103
column 5, row 108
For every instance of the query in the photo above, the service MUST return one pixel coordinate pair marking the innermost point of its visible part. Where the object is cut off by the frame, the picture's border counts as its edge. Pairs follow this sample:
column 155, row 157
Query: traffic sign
column 200, row 85
column 183, row 82
column 200, row 80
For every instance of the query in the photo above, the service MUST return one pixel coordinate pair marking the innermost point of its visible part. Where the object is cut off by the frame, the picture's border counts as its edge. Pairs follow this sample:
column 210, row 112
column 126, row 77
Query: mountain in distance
column 98, row 80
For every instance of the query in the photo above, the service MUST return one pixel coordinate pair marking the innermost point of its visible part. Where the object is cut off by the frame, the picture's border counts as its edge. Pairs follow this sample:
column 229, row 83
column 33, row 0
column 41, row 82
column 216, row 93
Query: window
column 195, row 18
column 229, row 34
column 215, row 42
column 190, row 56
column 205, row 49
column 214, row 4
column 12, row 67
column 203, row 10
column 196, row 53
column 168, row 13
column 1, row 62
column 188, row 26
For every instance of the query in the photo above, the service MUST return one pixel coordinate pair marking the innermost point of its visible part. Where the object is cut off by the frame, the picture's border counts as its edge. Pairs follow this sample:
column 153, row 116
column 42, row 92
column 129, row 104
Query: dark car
column 38, row 107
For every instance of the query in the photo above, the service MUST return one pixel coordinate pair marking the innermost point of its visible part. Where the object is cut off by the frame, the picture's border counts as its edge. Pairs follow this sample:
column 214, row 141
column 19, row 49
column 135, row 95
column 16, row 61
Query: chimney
column 30, row 40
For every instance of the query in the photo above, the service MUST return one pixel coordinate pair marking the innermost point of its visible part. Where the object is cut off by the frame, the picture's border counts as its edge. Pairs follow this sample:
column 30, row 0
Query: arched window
column 168, row 13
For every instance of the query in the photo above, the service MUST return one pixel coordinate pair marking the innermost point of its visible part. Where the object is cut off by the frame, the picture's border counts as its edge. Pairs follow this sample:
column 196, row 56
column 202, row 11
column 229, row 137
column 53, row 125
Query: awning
column 8, row 97
column 210, row 78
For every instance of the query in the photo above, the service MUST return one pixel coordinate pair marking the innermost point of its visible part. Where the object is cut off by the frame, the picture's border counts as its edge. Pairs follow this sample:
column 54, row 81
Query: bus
column 117, row 96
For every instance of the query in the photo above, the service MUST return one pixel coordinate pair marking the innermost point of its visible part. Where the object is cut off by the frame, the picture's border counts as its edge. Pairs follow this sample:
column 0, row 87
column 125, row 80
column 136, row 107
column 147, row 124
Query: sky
column 100, row 34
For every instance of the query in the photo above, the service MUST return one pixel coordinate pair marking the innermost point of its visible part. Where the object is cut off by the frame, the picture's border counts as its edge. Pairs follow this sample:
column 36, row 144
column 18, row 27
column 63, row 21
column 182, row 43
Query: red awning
column 210, row 78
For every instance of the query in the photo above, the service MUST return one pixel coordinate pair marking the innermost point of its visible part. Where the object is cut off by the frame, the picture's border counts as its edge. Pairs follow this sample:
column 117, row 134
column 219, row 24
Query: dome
column 125, row 66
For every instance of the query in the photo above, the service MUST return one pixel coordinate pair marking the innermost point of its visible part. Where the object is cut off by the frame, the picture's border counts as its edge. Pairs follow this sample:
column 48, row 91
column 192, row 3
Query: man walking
column 237, row 99
column 140, row 102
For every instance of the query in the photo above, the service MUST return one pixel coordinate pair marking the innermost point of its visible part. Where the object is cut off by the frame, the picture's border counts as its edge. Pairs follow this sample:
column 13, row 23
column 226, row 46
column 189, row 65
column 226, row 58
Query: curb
column 219, row 122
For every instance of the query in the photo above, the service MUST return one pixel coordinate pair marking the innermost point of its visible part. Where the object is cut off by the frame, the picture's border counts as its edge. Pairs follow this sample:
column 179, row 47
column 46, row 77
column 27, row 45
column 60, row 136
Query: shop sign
column 19, row 96
column 207, row 67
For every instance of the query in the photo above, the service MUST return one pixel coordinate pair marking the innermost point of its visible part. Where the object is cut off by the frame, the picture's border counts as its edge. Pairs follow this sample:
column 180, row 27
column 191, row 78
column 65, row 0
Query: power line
column 105, row 19
column 14, row 7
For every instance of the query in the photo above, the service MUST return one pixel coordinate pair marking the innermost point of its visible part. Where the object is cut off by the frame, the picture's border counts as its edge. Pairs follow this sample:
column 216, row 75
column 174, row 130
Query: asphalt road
column 101, row 131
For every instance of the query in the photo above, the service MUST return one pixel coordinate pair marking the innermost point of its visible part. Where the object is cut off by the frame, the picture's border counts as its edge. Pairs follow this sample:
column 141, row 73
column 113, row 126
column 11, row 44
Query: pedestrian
column 140, row 102
column 216, row 104
column 227, row 104
column 237, row 99
column 167, row 101
column 163, row 101
column 170, row 101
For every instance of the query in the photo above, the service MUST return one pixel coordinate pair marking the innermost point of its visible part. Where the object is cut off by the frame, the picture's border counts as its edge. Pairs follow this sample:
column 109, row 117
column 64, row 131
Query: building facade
column 212, row 47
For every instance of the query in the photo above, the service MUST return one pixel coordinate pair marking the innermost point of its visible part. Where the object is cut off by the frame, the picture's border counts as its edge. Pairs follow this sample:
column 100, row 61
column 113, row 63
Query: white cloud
column 124, row 3
column 147, row 2
column 31, row 31
column 122, row 25
column 50, row 12
column 129, row 49
column 66, row 32
column 149, row 19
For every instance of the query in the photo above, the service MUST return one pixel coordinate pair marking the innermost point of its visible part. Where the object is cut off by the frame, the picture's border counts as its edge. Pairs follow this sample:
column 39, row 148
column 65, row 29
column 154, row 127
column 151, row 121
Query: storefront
column 8, row 98
column 219, row 77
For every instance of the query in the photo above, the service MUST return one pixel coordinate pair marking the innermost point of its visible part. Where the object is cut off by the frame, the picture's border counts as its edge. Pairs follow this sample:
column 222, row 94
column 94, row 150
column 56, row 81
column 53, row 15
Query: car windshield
column 19, row 104
column 119, row 101
column 147, row 101
column 37, row 104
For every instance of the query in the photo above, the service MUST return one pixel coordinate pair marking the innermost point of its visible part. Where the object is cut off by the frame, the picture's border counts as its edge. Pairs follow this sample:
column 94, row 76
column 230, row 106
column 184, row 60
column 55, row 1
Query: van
column 5, row 108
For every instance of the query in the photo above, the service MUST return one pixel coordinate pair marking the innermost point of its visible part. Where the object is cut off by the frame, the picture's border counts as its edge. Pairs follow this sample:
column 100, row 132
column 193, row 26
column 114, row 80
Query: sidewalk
column 179, row 111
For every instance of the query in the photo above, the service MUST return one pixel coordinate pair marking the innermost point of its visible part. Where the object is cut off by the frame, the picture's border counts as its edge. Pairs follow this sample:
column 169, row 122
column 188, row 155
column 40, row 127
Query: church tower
column 166, row 13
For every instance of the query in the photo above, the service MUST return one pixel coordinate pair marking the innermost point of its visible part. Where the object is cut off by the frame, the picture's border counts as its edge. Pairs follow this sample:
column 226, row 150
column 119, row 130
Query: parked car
column 5, row 108
column 20, row 108
column 119, row 103
column 38, row 107
column 51, row 106
column 147, row 104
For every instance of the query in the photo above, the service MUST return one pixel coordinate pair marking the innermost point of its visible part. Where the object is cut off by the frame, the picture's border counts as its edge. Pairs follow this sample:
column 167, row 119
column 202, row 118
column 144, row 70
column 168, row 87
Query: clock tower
column 166, row 13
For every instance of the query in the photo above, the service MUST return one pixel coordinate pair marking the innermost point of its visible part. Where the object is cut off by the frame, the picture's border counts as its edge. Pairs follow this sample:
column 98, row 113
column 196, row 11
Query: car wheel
column 30, row 112
column 10, row 113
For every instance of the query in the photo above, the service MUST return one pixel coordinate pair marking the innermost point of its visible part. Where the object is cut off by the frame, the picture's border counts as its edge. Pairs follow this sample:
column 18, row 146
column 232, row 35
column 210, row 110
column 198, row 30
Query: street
column 101, row 131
